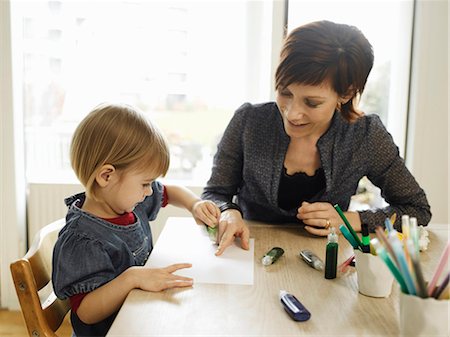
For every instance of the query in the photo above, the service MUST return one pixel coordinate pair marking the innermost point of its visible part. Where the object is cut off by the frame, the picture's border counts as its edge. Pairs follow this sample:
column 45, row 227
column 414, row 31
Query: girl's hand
column 206, row 212
column 157, row 279
column 320, row 216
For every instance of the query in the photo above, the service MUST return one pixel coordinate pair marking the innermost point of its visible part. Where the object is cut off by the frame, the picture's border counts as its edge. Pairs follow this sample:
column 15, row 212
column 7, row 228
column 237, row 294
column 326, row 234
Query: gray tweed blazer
column 249, row 160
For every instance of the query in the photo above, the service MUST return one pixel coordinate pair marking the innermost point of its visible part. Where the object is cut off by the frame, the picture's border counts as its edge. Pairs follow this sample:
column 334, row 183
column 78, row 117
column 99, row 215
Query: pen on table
column 365, row 238
column 440, row 267
column 350, row 228
column 272, row 256
column 311, row 259
column 294, row 307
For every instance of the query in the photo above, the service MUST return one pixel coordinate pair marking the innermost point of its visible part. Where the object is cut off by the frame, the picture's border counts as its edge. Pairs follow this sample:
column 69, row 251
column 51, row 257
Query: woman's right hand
column 231, row 226
column 158, row 279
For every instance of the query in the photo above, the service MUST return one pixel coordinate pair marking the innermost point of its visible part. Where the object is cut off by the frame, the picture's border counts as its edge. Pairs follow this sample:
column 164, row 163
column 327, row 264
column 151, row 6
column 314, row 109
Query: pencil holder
column 423, row 316
column 374, row 277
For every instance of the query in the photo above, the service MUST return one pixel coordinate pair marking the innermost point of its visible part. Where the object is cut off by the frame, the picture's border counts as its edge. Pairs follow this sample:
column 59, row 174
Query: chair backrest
column 42, row 310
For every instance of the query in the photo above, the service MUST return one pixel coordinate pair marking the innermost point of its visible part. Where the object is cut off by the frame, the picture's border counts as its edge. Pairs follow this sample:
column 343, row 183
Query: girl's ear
column 105, row 174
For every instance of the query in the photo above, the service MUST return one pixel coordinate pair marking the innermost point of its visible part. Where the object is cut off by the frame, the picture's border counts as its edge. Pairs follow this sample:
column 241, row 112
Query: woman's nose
column 294, row 112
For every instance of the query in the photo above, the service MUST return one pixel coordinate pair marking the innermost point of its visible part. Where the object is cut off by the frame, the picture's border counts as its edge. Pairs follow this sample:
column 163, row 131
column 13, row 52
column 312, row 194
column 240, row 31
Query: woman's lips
column 298, row 125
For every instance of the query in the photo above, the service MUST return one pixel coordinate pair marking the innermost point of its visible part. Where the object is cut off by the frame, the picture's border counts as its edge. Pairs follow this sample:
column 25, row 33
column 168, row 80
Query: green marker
column 350, row 228
column 365, row 238
column 272, row 255
column 212, row 233
column 348, row 236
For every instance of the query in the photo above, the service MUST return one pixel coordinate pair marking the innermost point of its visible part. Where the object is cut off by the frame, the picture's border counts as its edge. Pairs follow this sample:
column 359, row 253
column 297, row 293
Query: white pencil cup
column 423, row 316
column 374, row 277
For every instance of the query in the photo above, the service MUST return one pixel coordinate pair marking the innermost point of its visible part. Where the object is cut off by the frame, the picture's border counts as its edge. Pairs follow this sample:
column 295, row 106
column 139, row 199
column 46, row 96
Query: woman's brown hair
column 326, row 51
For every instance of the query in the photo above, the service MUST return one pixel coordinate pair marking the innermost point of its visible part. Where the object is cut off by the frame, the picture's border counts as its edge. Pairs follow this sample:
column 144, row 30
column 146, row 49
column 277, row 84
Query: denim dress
column 91, row 251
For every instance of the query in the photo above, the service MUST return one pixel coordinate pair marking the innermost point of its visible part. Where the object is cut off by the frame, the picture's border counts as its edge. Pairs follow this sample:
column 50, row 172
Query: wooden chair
column 42, row 310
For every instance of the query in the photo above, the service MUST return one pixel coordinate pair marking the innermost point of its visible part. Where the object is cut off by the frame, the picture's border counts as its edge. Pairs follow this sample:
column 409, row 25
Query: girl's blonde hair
column 118, row 135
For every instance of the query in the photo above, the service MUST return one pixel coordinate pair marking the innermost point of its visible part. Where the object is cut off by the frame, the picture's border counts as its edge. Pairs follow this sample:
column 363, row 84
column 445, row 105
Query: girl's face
column 307, row 110
column 128, row 189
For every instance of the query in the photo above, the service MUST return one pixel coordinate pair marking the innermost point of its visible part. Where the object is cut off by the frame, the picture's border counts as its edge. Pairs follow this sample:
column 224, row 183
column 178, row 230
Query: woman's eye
column 146, row 185
column 311, row 104
column 286, row 93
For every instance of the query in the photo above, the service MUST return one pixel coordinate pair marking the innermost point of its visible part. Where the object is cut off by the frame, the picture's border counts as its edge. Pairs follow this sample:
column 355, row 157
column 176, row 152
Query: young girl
column 100, row 253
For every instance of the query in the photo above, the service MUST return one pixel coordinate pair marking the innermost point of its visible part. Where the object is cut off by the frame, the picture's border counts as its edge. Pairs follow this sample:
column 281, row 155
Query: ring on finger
column 328, row 224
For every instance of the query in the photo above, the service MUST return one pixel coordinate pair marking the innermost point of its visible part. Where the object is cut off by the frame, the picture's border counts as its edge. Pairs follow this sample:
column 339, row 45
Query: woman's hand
column 232, row 225
column 206, row 212
column 320, row 216
column 157, row 279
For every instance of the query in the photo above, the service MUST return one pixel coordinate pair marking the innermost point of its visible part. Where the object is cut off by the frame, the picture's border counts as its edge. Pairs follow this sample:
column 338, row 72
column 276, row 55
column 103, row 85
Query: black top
column 299, row 187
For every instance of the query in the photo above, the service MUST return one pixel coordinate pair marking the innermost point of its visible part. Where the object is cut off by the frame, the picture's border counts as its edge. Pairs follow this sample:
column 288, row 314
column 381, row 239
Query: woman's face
column 307, row 110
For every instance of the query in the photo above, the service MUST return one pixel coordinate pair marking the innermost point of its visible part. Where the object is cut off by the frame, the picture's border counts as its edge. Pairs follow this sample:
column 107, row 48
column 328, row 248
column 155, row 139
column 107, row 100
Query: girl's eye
column 146, row 185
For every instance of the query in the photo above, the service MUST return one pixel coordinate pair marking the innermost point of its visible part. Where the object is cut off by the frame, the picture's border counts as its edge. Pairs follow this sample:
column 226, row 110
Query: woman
column 294, row 159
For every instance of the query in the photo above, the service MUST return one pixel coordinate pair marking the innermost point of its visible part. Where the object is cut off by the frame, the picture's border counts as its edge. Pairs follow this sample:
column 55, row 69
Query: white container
column 423, row 316
column 374, row 277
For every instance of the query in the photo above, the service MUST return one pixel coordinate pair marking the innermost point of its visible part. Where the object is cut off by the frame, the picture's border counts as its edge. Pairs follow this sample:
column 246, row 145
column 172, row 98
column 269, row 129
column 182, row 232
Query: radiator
column 45, row 204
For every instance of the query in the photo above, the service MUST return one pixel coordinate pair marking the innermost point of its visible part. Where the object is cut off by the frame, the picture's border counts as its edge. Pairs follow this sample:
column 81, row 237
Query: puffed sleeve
column 388, row 171
column 81, row 264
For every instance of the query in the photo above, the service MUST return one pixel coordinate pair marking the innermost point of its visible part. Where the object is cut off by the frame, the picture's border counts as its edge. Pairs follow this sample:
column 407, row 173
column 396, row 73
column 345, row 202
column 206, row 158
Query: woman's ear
column 105, row 175
column 344, row 99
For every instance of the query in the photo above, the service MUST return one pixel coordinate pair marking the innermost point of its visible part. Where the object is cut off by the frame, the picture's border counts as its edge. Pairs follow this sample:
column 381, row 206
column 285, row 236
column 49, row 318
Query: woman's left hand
column 318, row 217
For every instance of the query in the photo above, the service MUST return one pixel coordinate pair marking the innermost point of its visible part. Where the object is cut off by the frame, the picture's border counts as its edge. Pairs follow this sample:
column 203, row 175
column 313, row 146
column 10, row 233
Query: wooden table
column 239, row 310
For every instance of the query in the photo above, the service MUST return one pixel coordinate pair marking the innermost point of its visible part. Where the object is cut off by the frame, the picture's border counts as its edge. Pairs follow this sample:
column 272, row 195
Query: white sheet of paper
column 183, row 241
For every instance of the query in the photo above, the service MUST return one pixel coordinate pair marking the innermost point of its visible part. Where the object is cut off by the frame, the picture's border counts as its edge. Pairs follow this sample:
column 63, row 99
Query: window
column 388, row 27
column 185, row 64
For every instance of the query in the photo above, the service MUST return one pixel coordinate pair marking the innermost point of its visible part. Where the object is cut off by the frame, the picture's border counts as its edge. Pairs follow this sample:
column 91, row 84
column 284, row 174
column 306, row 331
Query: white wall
column 428, row 146
column 12, row 176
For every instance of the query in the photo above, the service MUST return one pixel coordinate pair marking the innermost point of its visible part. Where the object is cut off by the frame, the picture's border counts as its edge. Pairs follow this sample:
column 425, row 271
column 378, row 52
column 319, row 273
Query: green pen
column 348, row 236
column 381, row 252
column 350, row 228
